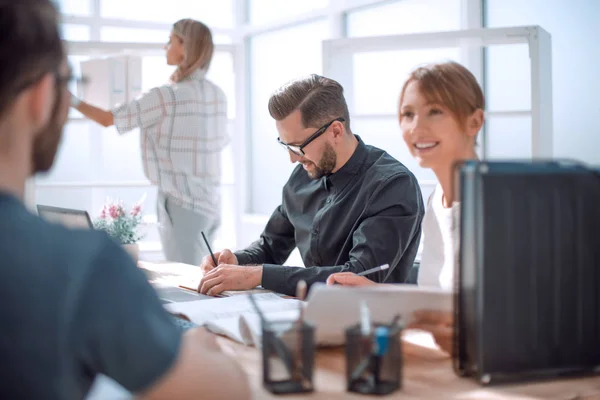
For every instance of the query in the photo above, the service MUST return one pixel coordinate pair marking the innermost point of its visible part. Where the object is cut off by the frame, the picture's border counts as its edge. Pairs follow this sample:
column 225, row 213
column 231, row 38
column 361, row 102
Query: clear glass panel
column 140, row 35
column 501, row 13
column 155, row 72
column 213, row 13
column 405, row 16
column 72, row 161
column 222, row 39
column 378, row 77
column 227, row 159
column 385, row 133
column 75, row 63
column 508, row 137
column 74, row 7
column 271, row 10
column 225, row 237
column 298, row 53
column 128, row 35
column 508, row 77
column 121, row 156
column 575, row 61
column 222, row 73
column 75, row 32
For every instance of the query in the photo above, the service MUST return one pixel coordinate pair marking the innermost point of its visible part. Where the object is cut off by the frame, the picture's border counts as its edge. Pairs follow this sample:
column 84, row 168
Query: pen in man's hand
column 376, row 269
column 209, row 249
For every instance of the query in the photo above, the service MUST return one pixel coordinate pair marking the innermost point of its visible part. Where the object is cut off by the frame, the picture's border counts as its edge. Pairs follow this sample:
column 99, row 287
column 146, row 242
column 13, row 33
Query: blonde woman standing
column 183, row 129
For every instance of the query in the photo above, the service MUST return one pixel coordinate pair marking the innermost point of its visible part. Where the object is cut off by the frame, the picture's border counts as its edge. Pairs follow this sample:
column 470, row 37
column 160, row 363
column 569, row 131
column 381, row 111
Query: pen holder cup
column 288, row 350
column 374, row 362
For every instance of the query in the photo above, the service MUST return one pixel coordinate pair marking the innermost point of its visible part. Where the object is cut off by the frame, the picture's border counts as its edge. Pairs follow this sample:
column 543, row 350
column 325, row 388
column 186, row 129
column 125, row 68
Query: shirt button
column 328, row 200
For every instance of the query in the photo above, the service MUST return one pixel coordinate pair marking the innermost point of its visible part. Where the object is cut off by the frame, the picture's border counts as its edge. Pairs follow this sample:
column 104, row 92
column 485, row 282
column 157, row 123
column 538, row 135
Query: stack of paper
column 331, row 309
column 235, row 317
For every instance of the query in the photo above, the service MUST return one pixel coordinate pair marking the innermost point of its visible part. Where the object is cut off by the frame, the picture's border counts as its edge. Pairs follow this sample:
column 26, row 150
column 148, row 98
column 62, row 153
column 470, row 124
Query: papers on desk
column 331, row 309
column 235, row 317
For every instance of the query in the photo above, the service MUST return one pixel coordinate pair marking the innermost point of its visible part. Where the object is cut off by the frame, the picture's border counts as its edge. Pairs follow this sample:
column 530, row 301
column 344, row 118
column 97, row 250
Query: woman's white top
column 439, row 248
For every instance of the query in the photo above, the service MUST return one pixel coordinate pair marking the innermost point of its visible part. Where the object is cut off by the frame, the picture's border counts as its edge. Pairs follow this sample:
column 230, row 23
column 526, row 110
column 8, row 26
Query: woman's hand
column 439, row 324
column 349, row 279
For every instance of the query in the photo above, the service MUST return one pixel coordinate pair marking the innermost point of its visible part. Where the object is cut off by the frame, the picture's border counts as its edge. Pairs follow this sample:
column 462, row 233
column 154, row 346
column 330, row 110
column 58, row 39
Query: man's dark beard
column 48, row 139
column 326, row 164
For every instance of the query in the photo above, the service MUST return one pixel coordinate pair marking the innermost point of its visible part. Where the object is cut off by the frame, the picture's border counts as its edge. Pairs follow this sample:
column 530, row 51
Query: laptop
column 66, row 216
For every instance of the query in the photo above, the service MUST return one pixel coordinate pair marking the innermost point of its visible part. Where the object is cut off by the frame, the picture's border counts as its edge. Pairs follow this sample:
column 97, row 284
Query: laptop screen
column 65, row 216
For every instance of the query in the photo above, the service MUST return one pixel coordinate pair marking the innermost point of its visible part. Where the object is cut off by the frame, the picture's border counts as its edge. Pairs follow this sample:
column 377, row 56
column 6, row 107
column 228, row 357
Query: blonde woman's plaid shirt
column 183, row 130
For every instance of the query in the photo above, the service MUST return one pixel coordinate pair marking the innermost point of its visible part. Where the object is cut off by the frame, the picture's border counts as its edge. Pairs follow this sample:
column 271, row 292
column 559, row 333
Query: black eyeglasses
column 298, row 150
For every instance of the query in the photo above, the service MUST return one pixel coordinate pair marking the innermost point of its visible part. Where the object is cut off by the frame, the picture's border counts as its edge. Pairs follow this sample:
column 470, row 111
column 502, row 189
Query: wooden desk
column 427, row 374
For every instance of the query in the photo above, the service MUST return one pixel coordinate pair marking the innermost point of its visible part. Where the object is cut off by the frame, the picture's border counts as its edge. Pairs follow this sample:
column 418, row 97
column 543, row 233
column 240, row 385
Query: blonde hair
column 198, row 47
column 450, row 85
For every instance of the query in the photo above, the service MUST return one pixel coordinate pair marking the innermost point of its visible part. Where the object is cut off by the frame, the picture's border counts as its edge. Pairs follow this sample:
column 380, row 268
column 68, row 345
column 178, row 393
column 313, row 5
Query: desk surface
column 427, row 374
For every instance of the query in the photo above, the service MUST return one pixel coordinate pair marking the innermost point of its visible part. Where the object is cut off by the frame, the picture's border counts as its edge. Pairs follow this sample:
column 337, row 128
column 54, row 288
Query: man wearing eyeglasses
column 348, row 206
column 74, row 304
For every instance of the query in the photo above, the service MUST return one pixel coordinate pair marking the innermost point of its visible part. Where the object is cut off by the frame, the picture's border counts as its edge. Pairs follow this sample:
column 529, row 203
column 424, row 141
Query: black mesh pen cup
column 288, row 351
column 374, row 361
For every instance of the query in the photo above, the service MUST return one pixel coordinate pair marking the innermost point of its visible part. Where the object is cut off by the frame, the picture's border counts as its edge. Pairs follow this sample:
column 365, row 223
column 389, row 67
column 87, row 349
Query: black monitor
column 528, row 270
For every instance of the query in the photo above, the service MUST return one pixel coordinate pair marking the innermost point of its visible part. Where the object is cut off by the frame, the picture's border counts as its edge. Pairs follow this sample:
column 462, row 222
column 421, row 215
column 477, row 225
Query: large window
column 269, row 42
column 575, row 61
column 94, row 163
column 75, row 7
column 508, row 98
column 275, row 58
column 75, row 32
column 405, row 16
column 121, row 34
column 291, row 51
column 377, row 78
column 218, row 14
column 262, row 11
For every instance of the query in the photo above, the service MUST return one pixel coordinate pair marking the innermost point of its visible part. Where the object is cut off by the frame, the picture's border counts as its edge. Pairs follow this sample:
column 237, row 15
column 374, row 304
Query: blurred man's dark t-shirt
column 74, row 305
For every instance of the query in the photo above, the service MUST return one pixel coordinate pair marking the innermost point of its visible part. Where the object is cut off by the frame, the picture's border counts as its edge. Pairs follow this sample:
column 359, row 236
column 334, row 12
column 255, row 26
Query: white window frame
column 247, row 224
column 337, row 64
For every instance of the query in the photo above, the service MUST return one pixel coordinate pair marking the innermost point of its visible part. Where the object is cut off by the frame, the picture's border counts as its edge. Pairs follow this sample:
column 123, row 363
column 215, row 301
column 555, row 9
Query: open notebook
column 235, row 317
column 331, row 309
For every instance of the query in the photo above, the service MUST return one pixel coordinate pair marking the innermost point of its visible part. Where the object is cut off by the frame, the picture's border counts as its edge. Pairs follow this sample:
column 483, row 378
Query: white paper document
column 235, row 317
column 330, row 309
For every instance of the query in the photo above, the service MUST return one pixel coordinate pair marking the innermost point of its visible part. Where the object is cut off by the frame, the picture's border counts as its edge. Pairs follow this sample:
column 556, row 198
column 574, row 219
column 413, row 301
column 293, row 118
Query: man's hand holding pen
column 230, row 277
column 227, row 274
column 222, row 257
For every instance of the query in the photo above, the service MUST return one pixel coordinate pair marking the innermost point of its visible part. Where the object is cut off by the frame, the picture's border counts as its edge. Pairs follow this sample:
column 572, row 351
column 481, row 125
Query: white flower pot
column 133, row 250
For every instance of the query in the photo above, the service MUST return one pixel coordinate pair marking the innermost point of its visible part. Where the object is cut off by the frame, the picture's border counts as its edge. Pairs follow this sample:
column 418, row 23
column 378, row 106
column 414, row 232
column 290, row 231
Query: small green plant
column 121, row 225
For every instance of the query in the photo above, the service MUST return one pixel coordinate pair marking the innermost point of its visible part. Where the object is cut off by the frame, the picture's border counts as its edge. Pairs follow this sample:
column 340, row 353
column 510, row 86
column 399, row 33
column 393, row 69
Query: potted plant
column 122, row 225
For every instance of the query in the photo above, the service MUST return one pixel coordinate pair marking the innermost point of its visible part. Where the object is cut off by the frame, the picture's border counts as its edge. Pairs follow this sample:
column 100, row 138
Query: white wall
column 575, row 28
